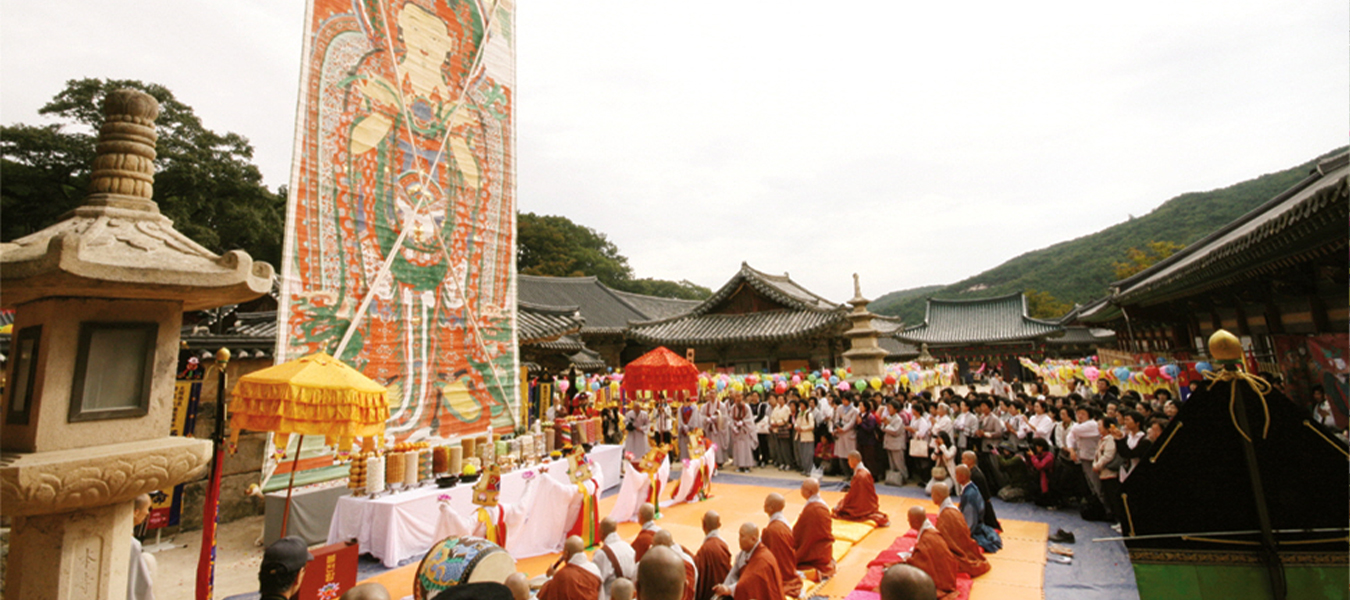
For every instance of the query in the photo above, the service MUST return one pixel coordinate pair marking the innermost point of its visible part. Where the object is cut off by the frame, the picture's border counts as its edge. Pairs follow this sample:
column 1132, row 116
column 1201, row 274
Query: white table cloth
column 396, row 527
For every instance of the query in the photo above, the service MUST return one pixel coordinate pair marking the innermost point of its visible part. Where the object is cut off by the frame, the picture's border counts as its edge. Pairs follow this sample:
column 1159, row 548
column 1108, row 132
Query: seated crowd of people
column 1016, row 444
column 776, row 560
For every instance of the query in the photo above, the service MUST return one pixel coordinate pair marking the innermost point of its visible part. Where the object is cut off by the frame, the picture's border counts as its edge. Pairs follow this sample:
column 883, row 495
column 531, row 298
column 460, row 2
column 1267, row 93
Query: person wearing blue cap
column 283, row 568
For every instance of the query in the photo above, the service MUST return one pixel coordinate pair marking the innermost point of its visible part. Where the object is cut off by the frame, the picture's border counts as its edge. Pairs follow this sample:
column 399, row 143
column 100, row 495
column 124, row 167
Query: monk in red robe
column 578, row 579
column 661, row 574
column 663, row 539
column 755, row 575
column 813, row 535
column 713, row 560
column 860, row 504
column 778, row 538
column 932, row 555
column 952, row 525
column 643, row 541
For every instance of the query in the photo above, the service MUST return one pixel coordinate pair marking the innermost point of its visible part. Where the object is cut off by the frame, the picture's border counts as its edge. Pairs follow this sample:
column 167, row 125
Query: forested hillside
column 1079, row 270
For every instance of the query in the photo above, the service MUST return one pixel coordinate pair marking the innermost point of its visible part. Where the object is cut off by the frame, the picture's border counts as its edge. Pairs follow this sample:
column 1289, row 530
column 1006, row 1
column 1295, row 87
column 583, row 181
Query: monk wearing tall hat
column 491, row 520
column 587, row 523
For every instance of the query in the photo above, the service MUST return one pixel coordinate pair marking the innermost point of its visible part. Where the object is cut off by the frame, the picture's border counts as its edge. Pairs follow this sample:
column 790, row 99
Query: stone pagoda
column 865, row 357
column 98, row 300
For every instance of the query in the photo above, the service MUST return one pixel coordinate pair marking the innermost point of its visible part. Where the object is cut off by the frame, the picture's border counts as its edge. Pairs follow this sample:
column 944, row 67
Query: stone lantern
column 98, row 300
column 865, row 357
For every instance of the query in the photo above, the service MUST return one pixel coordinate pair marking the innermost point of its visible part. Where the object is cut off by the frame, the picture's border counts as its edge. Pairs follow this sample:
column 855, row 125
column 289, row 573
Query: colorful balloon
column 844, row 386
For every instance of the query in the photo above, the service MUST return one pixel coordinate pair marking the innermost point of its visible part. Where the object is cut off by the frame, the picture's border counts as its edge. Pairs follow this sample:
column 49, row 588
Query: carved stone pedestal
column 71, row 512
column 98, row 299
column 70, row 556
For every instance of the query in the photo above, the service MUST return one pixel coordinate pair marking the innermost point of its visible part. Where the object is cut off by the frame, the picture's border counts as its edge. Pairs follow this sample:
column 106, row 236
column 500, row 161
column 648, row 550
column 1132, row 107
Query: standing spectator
column 943, row 454
column 845, row 434
column 869, row 438
column 1042, row 426
column 942, row 421
column 743, row 437
column 1082, row 441
column 1104, row 465
column 920, row 429
column 1062, row 427
column 663, row 421
column 964, row 425
column 780, row 427
column 896, row 443
column 1132, row 443
column 804, row 423
column 762, row 411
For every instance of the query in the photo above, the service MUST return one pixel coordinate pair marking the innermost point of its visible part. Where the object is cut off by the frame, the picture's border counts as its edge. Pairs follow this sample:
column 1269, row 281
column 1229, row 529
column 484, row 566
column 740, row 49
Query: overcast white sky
column 911, row 143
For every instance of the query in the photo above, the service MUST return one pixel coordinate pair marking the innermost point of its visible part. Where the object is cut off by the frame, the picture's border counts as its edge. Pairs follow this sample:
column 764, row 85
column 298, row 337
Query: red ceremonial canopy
column 661, row 370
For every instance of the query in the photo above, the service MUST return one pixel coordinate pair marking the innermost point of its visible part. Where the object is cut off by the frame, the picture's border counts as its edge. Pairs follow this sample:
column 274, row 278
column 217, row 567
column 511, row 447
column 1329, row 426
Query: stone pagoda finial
column 865, row 356
column 118, row 244
column 125, row 161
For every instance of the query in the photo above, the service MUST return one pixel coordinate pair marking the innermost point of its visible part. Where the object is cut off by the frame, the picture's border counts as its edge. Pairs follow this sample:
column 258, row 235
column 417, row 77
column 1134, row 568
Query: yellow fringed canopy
column 314, row 395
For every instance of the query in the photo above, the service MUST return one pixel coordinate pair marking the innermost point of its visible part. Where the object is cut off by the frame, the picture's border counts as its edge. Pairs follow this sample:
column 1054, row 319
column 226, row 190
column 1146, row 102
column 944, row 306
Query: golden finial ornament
column 1225, row 347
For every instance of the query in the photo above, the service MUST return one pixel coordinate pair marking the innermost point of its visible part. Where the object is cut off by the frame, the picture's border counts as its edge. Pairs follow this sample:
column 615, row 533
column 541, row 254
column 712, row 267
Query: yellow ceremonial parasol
column 314, row 395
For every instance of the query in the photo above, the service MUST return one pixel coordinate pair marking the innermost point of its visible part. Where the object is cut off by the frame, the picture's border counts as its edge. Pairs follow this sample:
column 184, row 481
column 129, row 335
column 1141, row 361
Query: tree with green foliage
column 557, row 247
column 1043, row 305
column 205, row 181
column 1137, row 259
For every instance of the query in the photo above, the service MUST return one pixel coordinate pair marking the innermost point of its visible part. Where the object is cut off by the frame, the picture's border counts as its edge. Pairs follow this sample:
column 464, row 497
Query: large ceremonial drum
column 460, row 560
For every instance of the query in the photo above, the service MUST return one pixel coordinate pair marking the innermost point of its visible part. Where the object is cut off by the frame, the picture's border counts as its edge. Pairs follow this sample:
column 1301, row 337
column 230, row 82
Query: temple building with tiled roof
column 756, row 321
column 993, row 331
column 1276, row 277
column 606, row 312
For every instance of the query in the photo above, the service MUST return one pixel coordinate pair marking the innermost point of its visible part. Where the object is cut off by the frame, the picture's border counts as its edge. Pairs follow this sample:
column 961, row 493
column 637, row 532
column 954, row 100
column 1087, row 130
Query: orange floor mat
column 736, row 504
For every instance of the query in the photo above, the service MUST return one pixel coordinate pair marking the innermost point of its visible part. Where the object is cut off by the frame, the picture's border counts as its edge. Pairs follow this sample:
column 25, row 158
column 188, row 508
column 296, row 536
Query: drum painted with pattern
column 459, row 560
